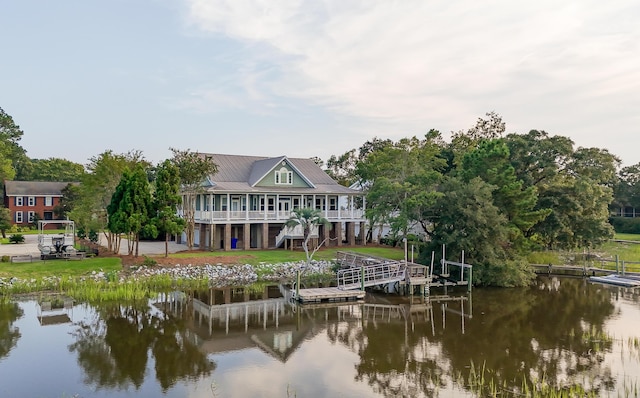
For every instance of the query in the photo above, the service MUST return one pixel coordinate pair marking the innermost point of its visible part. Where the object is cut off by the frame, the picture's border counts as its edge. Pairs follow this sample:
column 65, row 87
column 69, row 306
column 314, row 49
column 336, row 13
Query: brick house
column 25, row 199
column 246, row 203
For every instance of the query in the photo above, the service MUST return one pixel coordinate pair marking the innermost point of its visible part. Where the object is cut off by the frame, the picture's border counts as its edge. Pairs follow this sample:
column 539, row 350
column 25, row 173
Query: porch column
column 265, row 235
column 246, row 207
column 228, row 207
column 214, row 240
column 326, row 206
column 351, row 233
column 227, row 237
column 338, row 229
column 265, row 207
column 211, row 210
column 363, row 233
column 277, row 206
column 326, row 232
column 351, row 207
column 202, row 242
column 247, row 236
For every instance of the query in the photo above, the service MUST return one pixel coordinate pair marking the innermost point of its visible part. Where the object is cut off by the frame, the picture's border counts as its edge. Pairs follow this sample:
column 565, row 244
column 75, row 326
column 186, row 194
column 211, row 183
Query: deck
column 321, row 294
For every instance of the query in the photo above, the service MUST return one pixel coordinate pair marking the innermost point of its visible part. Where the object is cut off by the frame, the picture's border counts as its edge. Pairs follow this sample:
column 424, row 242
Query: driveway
column 30, row 246
column 145, row 247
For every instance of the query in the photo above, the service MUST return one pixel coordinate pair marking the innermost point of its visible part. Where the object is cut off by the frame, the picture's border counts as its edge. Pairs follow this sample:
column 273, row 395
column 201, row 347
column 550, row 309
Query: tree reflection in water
column 113, row 348
column 9, row 334
column 525, row 335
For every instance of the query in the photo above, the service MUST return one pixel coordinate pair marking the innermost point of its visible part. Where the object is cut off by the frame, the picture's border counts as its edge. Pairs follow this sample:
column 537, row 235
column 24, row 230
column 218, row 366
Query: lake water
column 252, row 343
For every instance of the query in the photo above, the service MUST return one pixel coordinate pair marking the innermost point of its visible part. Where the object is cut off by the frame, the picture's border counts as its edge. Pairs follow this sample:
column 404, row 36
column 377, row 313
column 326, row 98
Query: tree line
column 497, row 196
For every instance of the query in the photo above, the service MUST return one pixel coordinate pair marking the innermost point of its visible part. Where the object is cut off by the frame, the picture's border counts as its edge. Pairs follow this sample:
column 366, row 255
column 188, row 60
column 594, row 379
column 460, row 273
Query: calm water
column 241, row 343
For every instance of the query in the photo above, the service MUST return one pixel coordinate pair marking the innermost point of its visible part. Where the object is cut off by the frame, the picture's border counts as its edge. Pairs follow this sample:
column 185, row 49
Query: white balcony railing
column 240, row 216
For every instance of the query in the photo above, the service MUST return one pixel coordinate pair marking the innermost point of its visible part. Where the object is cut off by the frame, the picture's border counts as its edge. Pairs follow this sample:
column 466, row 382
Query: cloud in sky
column 564, row 66
column 315, row 78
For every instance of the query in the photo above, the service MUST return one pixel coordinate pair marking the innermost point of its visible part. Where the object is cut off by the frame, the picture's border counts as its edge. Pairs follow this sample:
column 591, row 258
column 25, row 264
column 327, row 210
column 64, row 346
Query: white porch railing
column 296, row 232
column 240, row 216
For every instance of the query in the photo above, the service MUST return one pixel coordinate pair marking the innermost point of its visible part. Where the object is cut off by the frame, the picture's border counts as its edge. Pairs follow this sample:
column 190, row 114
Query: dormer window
column 284, row 177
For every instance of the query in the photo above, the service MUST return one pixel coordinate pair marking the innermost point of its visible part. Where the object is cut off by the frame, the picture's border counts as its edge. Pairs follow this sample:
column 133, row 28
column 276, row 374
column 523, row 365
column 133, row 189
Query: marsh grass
column 482, row 383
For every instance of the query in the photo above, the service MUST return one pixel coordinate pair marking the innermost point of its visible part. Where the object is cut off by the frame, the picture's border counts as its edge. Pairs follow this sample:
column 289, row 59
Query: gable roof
column 238, row 173
column 263, row 167
column 34, row 188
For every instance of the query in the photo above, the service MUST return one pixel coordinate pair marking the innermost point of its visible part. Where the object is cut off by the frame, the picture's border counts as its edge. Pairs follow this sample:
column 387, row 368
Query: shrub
column 6, row 259
column 93, row 236
column 16, row 238
column 149, row 262
column 626, row 225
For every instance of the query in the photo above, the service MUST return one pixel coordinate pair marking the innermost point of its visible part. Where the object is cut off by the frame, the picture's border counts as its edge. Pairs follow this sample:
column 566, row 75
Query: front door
column 284, row 205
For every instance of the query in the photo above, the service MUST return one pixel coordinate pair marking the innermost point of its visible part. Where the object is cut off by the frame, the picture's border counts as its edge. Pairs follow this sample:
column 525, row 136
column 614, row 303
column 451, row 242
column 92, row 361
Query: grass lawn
column 255, row 257
column 39, row 269
column 63, row 268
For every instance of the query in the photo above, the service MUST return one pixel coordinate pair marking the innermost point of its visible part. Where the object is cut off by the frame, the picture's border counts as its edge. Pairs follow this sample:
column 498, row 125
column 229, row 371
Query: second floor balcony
column 216, row 217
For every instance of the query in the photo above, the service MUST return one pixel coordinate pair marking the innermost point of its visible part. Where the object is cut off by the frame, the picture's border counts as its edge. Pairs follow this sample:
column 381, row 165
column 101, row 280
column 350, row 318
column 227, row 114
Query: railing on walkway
column 371, row 275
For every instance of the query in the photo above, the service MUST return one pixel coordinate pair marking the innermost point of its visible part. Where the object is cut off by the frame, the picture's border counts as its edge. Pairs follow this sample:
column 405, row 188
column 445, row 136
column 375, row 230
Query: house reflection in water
column 55, row 311
column 232, row 319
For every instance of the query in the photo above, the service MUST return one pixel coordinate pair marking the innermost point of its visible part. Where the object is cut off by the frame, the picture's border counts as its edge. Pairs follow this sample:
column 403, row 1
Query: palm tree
column 308, row 219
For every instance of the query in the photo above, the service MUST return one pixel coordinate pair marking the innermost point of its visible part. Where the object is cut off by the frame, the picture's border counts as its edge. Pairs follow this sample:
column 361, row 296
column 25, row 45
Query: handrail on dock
column 371, row 275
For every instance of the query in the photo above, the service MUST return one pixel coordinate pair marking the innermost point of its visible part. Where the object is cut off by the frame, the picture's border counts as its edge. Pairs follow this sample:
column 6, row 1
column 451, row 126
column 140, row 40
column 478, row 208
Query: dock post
column 298, row 285
column 362, row 277
column 617, row 269
column 470, row 279
column 623, row 267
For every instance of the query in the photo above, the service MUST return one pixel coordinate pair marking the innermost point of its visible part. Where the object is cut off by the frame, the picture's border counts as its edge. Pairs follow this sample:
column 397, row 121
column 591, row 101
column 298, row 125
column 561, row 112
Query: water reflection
column 9, row 334
column 112, row 348
column 253, row 341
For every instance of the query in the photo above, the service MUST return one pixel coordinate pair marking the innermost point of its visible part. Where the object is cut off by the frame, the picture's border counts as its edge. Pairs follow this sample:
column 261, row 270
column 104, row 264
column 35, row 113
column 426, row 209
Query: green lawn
column 39, row 269
column 632, row 237
column 255, row 257
column 63, row 268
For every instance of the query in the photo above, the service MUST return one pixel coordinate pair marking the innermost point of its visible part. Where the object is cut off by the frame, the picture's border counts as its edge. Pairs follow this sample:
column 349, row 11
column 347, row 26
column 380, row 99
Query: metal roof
column 238, row 173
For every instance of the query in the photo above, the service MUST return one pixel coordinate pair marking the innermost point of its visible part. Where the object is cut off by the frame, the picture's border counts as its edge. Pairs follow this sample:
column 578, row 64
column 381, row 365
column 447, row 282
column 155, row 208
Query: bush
column 5, row 259
column 149, row 262
column 16, row 238
column 626, row 225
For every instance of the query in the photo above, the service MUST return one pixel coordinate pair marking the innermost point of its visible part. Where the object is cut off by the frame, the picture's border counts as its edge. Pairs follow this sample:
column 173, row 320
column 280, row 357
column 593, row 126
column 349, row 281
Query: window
column 30, row 216
column 31, row 201
column 48, row 215
column 48, row 201
column 284, row 177
column 19, row 201
column 18, row 217
column 332, row 204
column 271, row 204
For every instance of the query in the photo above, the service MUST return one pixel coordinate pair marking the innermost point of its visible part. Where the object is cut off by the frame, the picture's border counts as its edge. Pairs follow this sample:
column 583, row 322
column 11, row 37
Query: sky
column 314, row 78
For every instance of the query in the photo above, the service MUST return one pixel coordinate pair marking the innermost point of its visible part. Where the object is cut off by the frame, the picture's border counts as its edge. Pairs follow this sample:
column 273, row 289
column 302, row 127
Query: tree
column 468, row 220
column 130, row 207
column 490, row 162
column 401, row 179
column 193, row 169
column 70, row 196
column 167, row 200
column 5, row 220
column 308, row 219
column 627, row 191
column 11, row 153
column 97, row 187
column 51, row 169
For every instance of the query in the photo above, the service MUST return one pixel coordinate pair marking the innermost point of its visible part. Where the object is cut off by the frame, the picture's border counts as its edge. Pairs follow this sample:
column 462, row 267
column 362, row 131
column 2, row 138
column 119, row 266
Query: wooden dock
column 317, row 295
